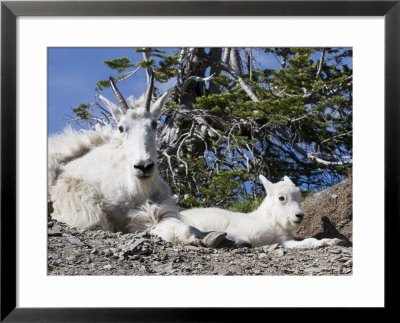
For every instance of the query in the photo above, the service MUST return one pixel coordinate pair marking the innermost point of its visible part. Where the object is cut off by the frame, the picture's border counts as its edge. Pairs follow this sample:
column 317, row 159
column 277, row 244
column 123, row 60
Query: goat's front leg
column 311, row 243
column 173, row 230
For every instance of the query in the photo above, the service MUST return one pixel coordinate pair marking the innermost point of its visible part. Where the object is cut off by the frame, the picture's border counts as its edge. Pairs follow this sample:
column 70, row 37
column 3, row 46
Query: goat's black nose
column 145, row 167
column 300, row 216
column 148, row 167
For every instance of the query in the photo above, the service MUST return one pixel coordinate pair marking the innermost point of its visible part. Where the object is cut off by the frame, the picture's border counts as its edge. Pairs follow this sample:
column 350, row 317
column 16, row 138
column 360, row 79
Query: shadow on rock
column 330, row 231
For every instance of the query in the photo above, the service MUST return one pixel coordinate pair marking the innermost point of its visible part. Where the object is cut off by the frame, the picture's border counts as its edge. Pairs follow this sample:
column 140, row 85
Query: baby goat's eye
column 154, row 124
column 281, row 198
column 121, row 129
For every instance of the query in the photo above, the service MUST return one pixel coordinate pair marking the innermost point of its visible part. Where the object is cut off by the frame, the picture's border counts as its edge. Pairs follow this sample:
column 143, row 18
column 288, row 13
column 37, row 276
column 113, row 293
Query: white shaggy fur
column 106, row 179
column 271, row 223
column 164, row 221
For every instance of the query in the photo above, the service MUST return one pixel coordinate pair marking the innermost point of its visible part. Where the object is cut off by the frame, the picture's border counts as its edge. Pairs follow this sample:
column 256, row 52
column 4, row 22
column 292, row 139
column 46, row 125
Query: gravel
column 99, row 253
column 84, row 252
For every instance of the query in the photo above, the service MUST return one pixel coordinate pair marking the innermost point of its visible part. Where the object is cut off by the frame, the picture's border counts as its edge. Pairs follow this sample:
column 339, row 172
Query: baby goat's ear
column 115, row 111
column 287, row 180
column 266, row 183
column 156, row 107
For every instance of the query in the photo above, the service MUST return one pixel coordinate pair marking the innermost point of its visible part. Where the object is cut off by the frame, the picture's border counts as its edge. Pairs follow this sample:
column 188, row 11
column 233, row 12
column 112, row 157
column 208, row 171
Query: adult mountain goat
column 272, row 222
column 109, row 179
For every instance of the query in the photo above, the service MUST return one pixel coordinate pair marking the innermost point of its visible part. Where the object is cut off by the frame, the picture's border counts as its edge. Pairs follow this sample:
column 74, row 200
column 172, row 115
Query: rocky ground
column 328, row 214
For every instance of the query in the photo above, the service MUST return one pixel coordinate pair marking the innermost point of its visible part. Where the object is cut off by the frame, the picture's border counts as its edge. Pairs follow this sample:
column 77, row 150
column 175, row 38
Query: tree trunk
column 215, row 55
column 236, row 61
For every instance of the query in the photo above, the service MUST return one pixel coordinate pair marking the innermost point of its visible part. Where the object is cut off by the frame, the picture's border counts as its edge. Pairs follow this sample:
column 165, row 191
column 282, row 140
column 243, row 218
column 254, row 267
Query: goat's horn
column 121, row 101
column 149, row 93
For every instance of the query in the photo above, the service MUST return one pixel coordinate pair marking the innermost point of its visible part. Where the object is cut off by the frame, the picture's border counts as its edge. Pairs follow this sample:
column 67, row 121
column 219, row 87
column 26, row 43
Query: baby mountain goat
column 108, row 179
column 271, row 223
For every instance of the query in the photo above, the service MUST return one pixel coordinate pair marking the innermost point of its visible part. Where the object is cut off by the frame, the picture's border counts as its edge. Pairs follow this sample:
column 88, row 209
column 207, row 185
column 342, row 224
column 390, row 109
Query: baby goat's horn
column 121, row 101
column 149, row 93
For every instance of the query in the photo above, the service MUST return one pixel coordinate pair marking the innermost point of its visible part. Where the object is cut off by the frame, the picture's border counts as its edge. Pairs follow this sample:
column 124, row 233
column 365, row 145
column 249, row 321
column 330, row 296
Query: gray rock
column 71, row 258
column 164, row 268
column 279, row 252
column 132, row 246
column 311, row 270
column 271, row 247
column 54, row 231
column 262, row 255
column 76, row 241
column 192, row 248
column 113, row 250
column 107, row 252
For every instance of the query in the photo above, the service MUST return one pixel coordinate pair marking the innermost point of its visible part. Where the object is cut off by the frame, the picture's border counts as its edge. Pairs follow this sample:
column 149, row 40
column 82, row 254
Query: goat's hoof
column 227, row 243
column 339, row 242
column 243, row 245
column 334, row 242
column 214, row 239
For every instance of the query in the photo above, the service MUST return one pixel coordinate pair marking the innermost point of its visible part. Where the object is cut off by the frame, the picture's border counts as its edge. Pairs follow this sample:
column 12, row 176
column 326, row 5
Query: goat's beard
column 294, row 224
column 288, row 224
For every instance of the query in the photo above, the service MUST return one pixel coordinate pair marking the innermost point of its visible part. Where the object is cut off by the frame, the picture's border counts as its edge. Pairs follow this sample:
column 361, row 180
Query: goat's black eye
column 154, row 124
column 121, row 129
column 281, row 198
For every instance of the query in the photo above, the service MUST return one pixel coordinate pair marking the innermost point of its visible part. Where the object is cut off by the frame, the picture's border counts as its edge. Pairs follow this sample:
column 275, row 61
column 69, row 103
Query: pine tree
column 230, row 118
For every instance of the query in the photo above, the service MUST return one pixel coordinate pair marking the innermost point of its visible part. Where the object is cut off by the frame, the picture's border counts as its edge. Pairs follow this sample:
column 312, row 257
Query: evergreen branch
column 237, row 77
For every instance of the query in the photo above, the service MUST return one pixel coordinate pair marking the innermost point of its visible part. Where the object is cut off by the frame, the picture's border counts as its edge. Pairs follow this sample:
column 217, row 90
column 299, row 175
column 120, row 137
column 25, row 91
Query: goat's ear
column 115, row 111
column 156, row 107
column 266, row 183
column 287, row 180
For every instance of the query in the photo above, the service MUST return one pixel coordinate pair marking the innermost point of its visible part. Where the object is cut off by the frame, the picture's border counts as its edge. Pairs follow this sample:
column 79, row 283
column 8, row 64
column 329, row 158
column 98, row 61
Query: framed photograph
column 360, row 37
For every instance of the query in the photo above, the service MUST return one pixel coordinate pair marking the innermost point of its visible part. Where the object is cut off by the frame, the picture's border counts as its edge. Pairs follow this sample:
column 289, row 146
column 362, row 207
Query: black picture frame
column 10, row 10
